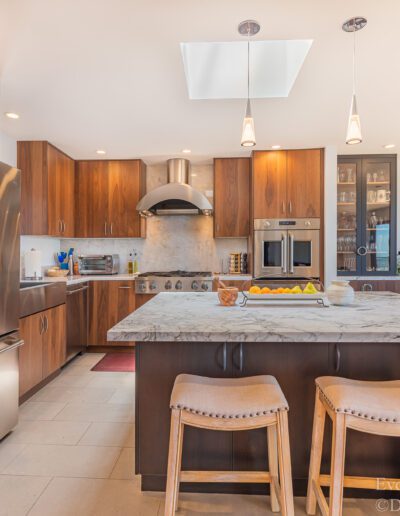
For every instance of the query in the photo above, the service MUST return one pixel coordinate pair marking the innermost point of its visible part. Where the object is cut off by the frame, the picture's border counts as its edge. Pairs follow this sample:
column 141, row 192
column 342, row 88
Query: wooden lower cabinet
column 142, row 299
column 110, row 301
column 44, row 347
column 54, row 339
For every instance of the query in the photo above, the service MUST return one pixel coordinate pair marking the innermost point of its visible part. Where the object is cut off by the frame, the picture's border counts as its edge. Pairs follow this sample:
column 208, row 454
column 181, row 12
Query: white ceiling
column 90, row 74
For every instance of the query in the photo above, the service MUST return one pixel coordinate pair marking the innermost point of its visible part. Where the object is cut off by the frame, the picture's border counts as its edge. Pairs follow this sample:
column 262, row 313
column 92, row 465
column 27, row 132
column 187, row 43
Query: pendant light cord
column 248, row 63
column 354, row 60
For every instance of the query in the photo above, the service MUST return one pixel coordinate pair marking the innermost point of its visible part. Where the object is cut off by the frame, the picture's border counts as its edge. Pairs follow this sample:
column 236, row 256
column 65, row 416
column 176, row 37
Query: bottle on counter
column 130, row 264
column 70, row 265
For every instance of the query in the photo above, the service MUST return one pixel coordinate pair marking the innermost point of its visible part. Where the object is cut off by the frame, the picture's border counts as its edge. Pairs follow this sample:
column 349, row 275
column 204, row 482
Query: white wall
column 330, row 213
column 8, row 149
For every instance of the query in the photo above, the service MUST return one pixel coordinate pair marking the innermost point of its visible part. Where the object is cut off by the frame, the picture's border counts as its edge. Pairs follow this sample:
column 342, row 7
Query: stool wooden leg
column 316, row 453
column 337, row 465
column 285, row 468
column 273, row 465
column 174, row 457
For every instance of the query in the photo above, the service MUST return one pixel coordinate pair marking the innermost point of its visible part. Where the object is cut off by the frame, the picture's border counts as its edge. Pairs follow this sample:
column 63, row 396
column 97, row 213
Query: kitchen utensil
column 227, row 296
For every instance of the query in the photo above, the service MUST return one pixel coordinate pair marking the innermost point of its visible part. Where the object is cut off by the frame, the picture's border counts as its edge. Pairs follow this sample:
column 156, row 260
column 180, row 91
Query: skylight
column 219, row 70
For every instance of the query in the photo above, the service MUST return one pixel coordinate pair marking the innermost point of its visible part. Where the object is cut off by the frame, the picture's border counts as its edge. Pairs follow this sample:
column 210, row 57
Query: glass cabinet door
column 347, row 237
column 366, row 211
column 378, row 220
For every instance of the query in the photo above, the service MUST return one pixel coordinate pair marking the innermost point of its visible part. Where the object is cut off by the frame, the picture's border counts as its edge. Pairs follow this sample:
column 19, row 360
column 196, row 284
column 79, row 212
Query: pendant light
column 248, row 28
column 354, row 135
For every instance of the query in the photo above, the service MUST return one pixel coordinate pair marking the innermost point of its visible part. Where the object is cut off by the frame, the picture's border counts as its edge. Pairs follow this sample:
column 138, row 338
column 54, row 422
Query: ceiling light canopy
column 186, row 151
column 13, row 116
column 354, row 135
column 275, row 147
column 100, row 151
column 389, row 146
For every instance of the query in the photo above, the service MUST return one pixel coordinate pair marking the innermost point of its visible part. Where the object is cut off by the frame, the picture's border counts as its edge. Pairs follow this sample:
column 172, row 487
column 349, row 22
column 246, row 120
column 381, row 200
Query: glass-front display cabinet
column 366, row 215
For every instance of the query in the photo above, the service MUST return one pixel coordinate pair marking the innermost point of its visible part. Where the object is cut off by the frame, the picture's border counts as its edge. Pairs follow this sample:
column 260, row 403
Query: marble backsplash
column 172, row 242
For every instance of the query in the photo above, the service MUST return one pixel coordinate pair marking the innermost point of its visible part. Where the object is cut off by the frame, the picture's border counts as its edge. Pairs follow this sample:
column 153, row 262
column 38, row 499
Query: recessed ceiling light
column 275, row 147
column 389, row 146
column 14, row 116
column 100, row 151
column 186, row 151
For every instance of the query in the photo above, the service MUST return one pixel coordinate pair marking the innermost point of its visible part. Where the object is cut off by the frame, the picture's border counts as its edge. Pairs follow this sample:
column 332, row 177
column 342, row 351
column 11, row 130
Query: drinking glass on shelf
column 369, row 177
column 371, row 196
column 375, row 177
column 382, row 175
column 349, row 175
column 342, row 176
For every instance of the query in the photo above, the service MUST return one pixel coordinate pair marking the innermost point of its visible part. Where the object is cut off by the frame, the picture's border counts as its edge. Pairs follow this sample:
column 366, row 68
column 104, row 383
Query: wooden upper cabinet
column 287, row 184
column 126, row 185
column 269, row 184
column 91, row 199
column 47, row 186
column 106, row 194
column 231, row 197
column 304, row 183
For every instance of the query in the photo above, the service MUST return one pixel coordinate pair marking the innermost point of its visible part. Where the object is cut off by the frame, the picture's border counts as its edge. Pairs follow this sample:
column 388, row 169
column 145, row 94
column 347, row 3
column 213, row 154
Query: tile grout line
column 40, row 495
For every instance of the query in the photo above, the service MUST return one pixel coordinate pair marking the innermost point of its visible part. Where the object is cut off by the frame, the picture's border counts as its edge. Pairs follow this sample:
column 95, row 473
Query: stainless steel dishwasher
column 77, row 319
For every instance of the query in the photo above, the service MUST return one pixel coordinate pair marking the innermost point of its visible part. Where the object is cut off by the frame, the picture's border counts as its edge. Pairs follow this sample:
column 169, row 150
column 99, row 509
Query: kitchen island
column 191, row 333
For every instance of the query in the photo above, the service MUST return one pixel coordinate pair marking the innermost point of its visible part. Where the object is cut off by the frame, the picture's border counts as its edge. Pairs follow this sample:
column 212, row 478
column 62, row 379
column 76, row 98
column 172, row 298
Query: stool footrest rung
column 377, row 484
column 254, row 477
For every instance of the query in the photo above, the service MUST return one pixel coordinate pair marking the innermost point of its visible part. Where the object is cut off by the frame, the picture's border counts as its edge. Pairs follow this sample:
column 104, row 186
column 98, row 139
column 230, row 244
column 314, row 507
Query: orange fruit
column 265, row 290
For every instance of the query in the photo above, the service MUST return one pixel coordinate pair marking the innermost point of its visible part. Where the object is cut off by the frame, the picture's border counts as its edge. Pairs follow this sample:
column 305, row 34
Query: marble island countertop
column 374, row 317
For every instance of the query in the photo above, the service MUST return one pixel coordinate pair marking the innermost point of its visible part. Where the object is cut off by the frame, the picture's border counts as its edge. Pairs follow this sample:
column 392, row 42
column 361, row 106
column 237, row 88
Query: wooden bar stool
column 231, row 404
column 371, row 407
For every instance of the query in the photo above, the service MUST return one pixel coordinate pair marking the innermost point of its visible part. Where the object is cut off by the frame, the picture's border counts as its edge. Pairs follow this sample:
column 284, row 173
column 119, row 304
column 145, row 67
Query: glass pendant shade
column 248, row 133
column 353, row 136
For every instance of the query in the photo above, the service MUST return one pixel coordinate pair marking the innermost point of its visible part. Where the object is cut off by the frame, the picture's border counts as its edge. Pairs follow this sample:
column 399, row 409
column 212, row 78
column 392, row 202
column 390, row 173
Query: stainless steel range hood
column 177, row 197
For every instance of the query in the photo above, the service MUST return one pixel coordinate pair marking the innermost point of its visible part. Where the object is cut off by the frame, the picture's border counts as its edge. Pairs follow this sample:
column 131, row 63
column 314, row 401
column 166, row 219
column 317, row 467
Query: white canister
column 340, row 293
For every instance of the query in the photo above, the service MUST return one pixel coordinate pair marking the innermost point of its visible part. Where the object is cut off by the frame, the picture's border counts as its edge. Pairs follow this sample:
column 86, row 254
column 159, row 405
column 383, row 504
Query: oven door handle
column 291, row 251
column 284, row 253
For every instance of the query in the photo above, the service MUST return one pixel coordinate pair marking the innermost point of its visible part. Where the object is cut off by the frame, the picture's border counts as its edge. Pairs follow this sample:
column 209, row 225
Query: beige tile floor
column 72, row 454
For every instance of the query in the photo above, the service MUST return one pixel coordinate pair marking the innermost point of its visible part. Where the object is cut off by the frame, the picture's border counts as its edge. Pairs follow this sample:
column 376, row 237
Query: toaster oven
column 98, row 264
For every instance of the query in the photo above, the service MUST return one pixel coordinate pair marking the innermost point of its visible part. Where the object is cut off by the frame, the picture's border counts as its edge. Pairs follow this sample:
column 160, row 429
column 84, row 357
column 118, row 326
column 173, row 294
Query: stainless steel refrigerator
column 10, row 340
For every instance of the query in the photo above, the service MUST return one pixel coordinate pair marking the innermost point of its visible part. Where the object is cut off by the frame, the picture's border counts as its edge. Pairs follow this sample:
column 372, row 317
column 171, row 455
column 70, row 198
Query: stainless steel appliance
column 37, row 297
column 286, row 248
column 177, row 197
column 10, row 198
column 173, row 281
column 77, row 319
column 98, row 264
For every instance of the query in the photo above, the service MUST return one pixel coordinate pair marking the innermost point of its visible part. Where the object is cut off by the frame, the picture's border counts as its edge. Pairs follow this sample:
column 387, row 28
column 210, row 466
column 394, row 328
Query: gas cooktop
column 171, row 274
column 173, row 281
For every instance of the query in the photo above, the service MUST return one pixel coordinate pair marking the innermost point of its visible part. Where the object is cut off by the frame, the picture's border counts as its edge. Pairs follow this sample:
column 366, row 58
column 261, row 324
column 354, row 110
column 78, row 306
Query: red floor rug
column 116, row 363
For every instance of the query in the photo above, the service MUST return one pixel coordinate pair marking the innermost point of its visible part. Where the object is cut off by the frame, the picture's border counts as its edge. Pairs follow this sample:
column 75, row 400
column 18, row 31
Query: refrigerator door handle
column 284, row 253
column 291, row 253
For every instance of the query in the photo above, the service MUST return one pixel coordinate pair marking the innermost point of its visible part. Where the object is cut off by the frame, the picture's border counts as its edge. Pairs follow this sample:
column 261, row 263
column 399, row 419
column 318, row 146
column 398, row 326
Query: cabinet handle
column 70, row 292
column 290, row 206
column 126, row 287
column 362, row 250
column 283, row 207
column 224, row 357
column 105, row 227
column 337, row 358
column 63, row 226
column 241, row 358
column 367, row 287
column 41, row 325
column 46, row 323
column 59, row 226
column 111, row 228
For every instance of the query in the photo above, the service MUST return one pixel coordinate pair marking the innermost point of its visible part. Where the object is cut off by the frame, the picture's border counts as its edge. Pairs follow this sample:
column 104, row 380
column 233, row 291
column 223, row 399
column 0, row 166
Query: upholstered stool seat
column 230, row 404
column 228, row 397
column 365, row 406
column 376, row 401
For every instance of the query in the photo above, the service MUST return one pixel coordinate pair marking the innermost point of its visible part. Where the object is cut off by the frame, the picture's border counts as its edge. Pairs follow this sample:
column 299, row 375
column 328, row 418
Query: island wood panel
column 110, row 301
column 295, row 365
column 156, row 372
column 31, row 159
column 231, row 197
column 304, row 172
column 54, row 339
column 126, row 185
column 377, row 285
column 269, row 185
column 31, row 353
